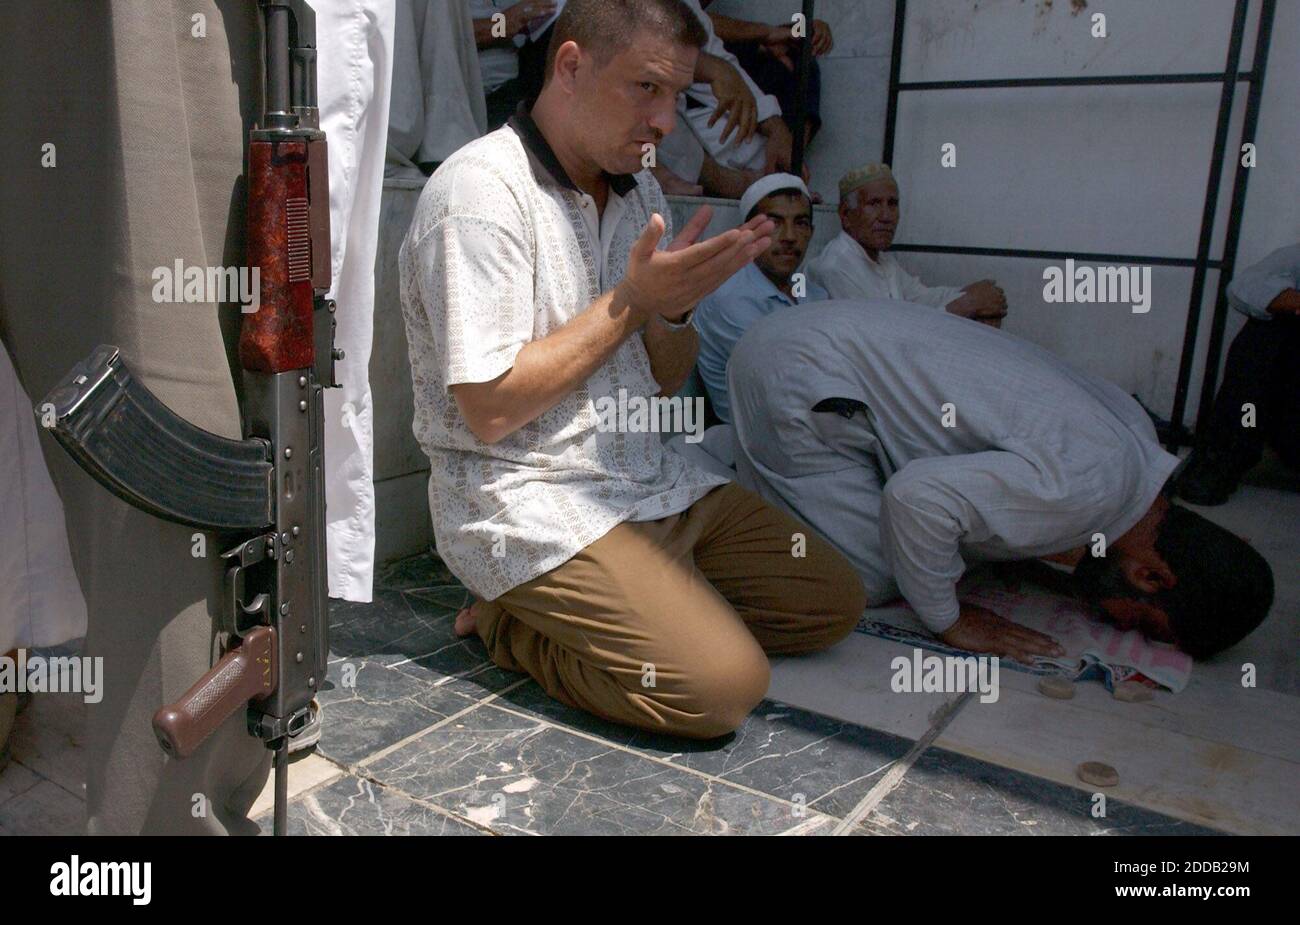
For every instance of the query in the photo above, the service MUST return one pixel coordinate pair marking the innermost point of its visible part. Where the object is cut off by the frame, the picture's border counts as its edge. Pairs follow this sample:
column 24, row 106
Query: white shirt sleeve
column 914, row 290
column 837, row 281
column 1253, row 289
column 480, row 306
column 933, row 505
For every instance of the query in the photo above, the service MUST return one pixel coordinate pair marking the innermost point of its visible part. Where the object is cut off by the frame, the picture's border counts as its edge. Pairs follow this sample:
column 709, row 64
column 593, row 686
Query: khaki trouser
column 148, row 124
column 663, row 625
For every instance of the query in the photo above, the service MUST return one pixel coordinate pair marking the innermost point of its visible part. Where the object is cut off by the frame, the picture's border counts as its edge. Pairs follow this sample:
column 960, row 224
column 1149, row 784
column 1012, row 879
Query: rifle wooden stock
column 278, row 336
column 247, row 672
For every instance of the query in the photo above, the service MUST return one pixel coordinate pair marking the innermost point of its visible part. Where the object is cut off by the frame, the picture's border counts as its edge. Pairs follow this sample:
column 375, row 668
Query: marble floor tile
column 946, row 793
column 44, row 809
column 16, row 779
column 387, row 629
column 423, row 570
column 367, row 706
column 781, row 750
column 306, row 772
column 48, row 739
column 807, row 759
column 513, row 774
column 354, row 806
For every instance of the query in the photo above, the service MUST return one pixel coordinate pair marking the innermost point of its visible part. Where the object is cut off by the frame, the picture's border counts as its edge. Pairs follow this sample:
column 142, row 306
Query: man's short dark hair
column 1223, row 587
column 606, row 27
column 784, row 191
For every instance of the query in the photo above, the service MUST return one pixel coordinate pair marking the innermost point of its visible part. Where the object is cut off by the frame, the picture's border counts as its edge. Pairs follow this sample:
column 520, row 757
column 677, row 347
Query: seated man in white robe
column 856, row 264
column 916, row 442
column 733, row 132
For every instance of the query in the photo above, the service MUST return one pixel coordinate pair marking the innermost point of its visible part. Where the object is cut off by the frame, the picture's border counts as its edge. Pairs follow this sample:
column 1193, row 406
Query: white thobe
column 40, row 599
column 437, row 103
column 749, row 155
column 846, row 272
column 354, row 77
column 974, row 445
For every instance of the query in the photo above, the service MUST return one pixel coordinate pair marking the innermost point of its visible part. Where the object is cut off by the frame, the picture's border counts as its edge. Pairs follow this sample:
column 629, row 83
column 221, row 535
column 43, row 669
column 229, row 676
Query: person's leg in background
column 1252, row 375
column 502, row 103
column 773, row 77
column 1284, row 429
column 41, row 604
column 148, row 139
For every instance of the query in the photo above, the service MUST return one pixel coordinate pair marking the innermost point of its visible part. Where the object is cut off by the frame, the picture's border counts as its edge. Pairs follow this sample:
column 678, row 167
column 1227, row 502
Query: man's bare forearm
column 738, row 30
column 548, row 369
column 672, row 353
column 708, row 67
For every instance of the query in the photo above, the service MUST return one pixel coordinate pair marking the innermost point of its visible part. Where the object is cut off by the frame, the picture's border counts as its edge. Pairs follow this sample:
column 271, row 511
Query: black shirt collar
column 546, row 166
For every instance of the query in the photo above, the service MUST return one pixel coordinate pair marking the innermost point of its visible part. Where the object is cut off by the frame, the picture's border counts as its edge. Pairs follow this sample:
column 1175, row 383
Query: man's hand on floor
column 980, row 630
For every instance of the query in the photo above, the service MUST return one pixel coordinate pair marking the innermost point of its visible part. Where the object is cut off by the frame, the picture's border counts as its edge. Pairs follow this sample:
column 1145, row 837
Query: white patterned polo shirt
column 503, row 250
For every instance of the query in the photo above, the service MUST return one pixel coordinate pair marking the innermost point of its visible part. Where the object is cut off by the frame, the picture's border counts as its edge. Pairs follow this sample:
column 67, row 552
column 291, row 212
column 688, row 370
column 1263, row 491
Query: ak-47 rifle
column 267, row 489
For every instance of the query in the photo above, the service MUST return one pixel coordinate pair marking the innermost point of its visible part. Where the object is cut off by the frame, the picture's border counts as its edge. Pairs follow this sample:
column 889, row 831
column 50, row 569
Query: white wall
column 1100, row 169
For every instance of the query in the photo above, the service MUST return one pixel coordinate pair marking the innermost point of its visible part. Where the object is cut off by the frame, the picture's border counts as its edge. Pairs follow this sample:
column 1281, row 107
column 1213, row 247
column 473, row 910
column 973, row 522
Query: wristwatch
column 682, row 322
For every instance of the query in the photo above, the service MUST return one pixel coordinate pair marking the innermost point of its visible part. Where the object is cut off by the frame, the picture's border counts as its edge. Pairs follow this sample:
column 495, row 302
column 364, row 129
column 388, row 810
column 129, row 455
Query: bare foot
column 466, row 621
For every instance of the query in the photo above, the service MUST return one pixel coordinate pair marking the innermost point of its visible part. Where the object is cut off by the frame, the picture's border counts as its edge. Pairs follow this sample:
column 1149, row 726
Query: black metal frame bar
column 1235, row 209
column 1177, row 433
column 801, row 96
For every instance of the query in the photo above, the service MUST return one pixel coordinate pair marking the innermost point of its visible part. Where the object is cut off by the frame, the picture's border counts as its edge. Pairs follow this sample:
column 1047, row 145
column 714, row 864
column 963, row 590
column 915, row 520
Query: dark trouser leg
column 502, row 103
column 775, row 78
column 1260, row 388
column 1283, row 426
column 1249, row 377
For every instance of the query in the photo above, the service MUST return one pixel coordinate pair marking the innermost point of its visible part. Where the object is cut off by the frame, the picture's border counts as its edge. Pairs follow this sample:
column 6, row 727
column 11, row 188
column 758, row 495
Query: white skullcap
column 762, row 188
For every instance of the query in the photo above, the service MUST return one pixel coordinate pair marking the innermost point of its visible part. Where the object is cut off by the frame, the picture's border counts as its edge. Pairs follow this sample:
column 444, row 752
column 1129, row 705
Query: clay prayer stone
column 1057, row 688
column 1097, row 774
column 1132, row 692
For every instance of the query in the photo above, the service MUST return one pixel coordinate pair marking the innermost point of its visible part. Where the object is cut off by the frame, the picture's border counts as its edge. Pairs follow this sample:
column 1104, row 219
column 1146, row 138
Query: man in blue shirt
column 770, row 282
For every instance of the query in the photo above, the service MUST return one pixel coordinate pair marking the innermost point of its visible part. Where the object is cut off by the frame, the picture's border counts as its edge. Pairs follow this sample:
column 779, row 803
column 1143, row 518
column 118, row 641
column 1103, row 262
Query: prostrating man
column 856, row 264
column 1259, row 401
column 626, row 581
column 761, row 287
column 917, row 443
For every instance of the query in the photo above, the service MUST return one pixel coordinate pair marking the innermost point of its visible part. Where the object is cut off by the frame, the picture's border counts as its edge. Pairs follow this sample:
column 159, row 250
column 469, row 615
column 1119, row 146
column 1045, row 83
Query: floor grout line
column 711, row 778
column 361, row 768
column 473, row 705
column 346, row 770
column 894, row 776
